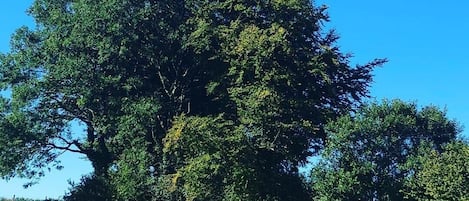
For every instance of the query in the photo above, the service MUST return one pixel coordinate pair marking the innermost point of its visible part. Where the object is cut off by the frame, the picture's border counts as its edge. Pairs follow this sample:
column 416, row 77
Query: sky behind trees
column 423, row 40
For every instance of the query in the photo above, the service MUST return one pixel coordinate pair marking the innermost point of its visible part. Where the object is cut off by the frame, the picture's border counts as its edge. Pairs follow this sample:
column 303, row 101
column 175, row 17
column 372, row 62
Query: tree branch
column 66, row 148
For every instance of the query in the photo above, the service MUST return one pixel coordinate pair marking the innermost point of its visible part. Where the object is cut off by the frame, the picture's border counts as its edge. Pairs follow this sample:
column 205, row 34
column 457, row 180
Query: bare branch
column 73, row 142
column 65, row 148
column 163, row 83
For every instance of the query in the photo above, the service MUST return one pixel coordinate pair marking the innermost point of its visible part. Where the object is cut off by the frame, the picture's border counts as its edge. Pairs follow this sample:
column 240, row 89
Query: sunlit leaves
column 441, row 176
column 368, row 151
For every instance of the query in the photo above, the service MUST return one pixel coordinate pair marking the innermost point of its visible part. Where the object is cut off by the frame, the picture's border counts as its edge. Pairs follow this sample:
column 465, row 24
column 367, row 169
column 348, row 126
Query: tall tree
column 367, row 152
column 170, row 91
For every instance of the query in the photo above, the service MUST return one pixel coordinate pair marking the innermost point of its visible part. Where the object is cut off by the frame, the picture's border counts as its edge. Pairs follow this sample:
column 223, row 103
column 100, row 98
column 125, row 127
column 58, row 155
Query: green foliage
column 131, row 175
column 199, row 153
column 441, row 176
column 213, row 161
column 181, row 100
column 92, row 188
column 367, row 152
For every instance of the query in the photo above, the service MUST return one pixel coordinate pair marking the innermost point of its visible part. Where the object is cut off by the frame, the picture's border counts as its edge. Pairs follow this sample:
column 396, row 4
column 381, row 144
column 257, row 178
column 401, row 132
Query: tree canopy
column 180, row 100
column 213, row 100
column 440, row 175
column 370, row 154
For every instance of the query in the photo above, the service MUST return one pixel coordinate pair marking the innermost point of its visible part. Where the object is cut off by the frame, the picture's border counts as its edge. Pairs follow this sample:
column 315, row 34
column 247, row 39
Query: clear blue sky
column 425, row 42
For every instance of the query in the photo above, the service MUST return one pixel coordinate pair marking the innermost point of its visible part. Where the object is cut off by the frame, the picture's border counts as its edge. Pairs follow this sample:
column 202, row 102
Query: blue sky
column 55, row 183
column 425, row 42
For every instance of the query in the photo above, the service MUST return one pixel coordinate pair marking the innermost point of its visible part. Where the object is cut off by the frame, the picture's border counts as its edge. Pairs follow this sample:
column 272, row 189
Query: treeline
column 213, row 100
column 25, row 199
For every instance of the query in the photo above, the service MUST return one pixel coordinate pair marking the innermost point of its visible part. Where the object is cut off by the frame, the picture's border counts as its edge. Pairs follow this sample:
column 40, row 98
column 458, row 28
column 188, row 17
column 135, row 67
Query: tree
column 367, row 152
column 440, row 176
column 148, row 78
column 92, row 188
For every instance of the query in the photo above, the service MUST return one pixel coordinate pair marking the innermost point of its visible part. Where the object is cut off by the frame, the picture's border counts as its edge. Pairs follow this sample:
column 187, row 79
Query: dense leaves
column 368, row 153
column 194, row 100
column 441, row 176
column 92, row 188
column 213, row 100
